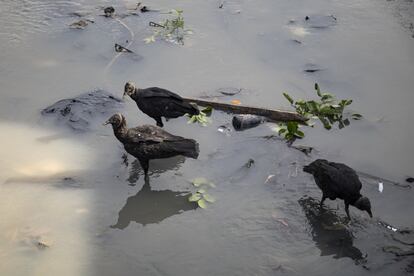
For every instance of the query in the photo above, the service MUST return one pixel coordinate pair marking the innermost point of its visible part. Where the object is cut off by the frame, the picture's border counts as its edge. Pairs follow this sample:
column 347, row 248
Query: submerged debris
column 119, row 49
column 79, row 113
column 249, row 163
column 409, row 179
column 109, row 11
column 81, row 24
column 398, row 251
column 229, row 91
column 311, row 68
column 320, row 21
column 304, row 149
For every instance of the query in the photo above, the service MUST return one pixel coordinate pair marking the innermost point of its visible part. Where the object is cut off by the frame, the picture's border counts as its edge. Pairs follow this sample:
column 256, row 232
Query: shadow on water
column 149, row 206
column 156, row 167
column 331, row 237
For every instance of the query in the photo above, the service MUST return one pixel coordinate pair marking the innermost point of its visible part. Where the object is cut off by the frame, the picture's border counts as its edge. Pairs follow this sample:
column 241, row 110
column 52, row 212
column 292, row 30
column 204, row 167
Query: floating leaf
column 202, row 203
column 149, row 39
column 299, row 134
column 199, row 181
column 209, row 198
column 356, row 116
column 201, row 191
column 194, row 197
column 207, row 110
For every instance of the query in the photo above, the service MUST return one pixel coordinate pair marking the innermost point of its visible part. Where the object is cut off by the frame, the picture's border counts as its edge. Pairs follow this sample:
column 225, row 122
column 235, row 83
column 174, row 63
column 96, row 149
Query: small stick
column 271, row 114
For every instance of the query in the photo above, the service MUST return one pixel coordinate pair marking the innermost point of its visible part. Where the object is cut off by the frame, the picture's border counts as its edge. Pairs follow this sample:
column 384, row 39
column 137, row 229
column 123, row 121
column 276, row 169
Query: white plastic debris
column 269, row 178
column 380, row 187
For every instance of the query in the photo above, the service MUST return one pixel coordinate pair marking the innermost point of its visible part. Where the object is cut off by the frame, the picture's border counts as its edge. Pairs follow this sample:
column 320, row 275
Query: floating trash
column 224, row 129
column 246, row 121
column 380, row 187
column 388, row 226
column 269, row 178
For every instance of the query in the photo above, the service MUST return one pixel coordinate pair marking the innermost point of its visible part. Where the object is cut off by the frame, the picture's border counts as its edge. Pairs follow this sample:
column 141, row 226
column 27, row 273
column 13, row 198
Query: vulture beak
column 106, row 123
column 123, row 96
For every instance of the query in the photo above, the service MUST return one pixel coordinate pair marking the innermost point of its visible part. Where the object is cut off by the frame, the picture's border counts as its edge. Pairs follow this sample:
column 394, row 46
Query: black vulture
column 337, row 180
column 157, row 102
column 148, row 142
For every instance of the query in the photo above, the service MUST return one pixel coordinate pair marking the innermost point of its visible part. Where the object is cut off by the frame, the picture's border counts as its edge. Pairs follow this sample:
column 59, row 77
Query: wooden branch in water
column 271, row 114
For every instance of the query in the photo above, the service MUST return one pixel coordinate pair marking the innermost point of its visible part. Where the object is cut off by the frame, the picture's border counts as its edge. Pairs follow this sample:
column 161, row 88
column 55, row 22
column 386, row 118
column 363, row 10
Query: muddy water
column 70, row 205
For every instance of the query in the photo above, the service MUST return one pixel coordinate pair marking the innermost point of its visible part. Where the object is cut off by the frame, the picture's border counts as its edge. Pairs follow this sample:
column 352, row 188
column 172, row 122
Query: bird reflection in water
column 331, row 237
column 149, row 206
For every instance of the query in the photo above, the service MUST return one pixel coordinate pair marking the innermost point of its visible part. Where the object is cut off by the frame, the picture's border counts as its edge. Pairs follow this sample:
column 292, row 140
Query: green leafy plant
column 289, row 131
column 171, row 30
column 202, row 118
column 328, row 109
column 201, row 196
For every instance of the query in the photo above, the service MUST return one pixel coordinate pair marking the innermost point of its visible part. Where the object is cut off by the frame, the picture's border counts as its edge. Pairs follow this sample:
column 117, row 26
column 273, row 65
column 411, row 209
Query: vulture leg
column 145, row 165
column 323, row 199
column 159, row 122
column 347, row 210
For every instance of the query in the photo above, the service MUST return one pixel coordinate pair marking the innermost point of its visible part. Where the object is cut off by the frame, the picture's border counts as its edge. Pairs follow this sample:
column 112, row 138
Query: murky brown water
column 70, row 206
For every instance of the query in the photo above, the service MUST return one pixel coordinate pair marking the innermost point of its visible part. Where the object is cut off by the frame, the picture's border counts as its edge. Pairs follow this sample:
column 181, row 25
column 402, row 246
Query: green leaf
column 201, row 191
column 292, row 127
column 192, row 119
column 195, row 197
column 209, row 198
column 207, row 110
column 318, row 91
column 300, row 134
column 281, row 131
column 199, row 181
column 325, row 123
column 356, row 116
column 288, row 98
column 202, row 203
